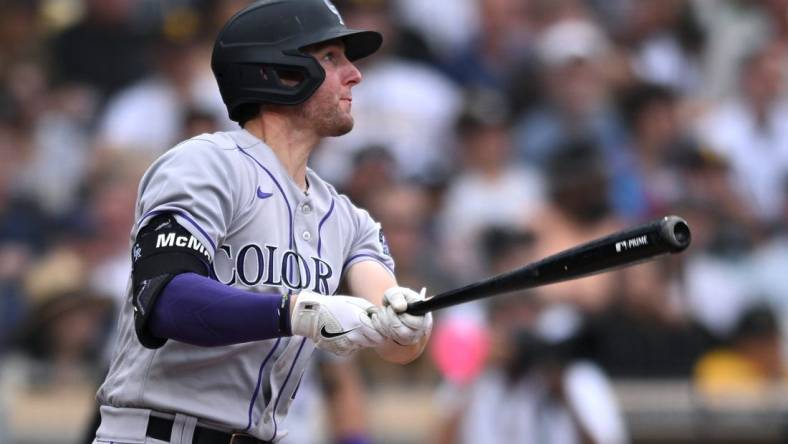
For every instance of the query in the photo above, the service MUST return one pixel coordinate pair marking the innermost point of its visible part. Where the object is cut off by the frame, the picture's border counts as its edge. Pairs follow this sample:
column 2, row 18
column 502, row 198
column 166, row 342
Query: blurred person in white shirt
column 491, row 188
column 534, row 390
column 750, row 130
column 150, row 114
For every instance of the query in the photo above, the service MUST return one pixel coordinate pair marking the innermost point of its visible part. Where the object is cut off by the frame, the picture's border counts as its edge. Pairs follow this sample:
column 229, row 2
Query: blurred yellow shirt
column 725, row 371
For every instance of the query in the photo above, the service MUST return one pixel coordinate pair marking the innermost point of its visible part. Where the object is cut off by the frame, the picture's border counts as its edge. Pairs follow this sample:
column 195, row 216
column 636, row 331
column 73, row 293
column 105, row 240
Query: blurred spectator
column 529, row 386
column 373, row 169
column 767, row 271
column 20, row 31
column 734, row 28
column 667, row 41
column 108, row 220
column 506, row 247
column 64, row 330
column 14, row 260
column 25, row 84
column 578, row 210
column 62, row 153
column 718, row 282
column 744, row 196
column 718, row 278
column 705, row 178
column 405, row 106
column 444, row 28
column 578, row 104
column 502, row 44
column 533, row 389
column 645, row 331
column 750, row 363
column 106, row 49
column 571, row 54
column 750, row 130
column 24, row 228
column 51, row 377
column 21, row 218
column 150, row 115
column 490, row 188
column 657, row 137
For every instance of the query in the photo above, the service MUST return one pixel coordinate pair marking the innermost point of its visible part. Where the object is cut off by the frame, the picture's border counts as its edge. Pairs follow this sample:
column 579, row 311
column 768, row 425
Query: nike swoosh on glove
column 337, row 324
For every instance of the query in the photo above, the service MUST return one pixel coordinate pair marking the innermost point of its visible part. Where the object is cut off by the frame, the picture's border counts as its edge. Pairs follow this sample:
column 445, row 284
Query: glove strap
column 284, row 315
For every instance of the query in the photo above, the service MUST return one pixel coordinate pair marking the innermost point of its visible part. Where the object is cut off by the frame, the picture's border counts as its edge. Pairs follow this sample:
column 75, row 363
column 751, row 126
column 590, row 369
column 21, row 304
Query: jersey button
column 306, row 208
column 307, row 235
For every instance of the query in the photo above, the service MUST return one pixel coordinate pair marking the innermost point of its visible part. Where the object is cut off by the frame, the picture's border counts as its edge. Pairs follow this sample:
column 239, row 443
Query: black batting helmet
column 263, row 41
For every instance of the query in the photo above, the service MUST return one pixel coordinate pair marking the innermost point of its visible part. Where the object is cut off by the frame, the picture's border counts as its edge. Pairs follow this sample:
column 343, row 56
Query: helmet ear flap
column 284, row 77
column 282, row 84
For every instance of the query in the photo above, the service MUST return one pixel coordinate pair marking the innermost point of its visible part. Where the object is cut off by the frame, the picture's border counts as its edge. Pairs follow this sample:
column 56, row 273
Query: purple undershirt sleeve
column 200, row 311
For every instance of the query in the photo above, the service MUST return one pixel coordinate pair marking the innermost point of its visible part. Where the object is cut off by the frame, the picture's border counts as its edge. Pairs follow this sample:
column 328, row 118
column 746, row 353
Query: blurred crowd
column 489, row 133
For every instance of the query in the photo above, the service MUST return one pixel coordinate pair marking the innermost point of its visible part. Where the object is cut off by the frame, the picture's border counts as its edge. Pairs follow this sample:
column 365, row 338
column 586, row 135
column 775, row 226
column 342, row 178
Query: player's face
column 329, row 107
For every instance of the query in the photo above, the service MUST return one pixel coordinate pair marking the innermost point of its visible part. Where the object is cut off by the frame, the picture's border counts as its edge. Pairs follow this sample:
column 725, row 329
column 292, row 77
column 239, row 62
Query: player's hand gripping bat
column 671, row 234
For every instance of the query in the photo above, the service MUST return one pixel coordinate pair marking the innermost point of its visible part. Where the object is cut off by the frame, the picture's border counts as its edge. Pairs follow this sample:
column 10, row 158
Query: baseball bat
column 670, row 234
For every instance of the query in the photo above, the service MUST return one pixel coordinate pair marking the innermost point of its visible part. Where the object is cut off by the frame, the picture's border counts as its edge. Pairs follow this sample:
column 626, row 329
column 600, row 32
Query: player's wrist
column 303, row 315
column 395, row 353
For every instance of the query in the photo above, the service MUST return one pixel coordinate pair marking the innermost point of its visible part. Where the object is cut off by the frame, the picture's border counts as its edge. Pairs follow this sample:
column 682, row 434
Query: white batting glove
column 394, row 323
column 337, row 324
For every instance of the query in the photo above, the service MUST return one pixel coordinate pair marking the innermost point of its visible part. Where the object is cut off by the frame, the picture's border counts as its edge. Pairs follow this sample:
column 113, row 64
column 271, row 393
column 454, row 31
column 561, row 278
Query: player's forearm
column 200, row 311
column 370, row 280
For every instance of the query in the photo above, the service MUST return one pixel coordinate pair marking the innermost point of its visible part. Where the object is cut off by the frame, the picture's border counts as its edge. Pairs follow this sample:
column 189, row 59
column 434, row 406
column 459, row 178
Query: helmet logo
column 333, row 9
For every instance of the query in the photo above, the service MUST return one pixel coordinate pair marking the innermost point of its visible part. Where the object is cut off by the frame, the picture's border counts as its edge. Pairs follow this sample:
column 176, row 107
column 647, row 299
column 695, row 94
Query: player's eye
column 329, row 57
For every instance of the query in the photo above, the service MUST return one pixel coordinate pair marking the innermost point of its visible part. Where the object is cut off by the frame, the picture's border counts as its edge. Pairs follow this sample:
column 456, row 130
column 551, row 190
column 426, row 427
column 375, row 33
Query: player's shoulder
column 211, row 156
column 218, row 142
column 219, row 147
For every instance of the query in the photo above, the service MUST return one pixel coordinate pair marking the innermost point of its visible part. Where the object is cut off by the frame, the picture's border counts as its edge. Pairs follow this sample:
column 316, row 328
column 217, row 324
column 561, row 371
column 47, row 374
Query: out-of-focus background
column 488, row 133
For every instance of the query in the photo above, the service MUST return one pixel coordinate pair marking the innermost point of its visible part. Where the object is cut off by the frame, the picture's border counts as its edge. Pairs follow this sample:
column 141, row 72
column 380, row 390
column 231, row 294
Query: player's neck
column 291, row 146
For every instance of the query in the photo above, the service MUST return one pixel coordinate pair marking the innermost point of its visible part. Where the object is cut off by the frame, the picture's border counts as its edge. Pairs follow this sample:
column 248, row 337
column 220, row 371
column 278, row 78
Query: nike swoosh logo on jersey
column 262, row 194
column 329, row 335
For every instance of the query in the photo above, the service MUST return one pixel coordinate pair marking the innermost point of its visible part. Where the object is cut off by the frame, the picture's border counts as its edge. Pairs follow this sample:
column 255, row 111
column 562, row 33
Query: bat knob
column 676, row 233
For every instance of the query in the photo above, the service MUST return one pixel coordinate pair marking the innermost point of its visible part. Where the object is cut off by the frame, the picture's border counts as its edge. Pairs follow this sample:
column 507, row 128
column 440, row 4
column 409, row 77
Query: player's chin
column 342, row 126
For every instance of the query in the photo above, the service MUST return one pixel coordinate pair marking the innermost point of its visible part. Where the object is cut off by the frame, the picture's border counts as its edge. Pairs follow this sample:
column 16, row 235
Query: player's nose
column 352, row 74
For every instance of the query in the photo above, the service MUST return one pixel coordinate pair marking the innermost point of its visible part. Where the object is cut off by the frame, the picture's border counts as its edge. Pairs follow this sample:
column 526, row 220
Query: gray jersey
column 264, row 234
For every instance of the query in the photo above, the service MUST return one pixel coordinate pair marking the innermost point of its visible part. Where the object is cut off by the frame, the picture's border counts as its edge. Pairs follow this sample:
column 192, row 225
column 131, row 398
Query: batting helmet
column 265, row 40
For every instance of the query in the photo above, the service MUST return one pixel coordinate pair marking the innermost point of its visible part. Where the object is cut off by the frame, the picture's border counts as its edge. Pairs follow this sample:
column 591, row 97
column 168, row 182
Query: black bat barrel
column 671, row 234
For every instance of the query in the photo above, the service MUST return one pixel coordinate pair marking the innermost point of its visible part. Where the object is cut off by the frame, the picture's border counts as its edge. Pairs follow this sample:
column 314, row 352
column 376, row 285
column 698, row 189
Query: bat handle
column 418, row 308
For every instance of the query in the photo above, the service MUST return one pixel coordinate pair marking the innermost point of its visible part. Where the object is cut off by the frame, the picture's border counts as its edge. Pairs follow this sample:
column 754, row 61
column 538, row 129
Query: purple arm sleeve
column 200, row 311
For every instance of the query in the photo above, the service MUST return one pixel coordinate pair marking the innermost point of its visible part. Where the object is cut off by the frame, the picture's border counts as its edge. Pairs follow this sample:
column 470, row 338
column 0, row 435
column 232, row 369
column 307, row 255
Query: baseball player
column 238, row 247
